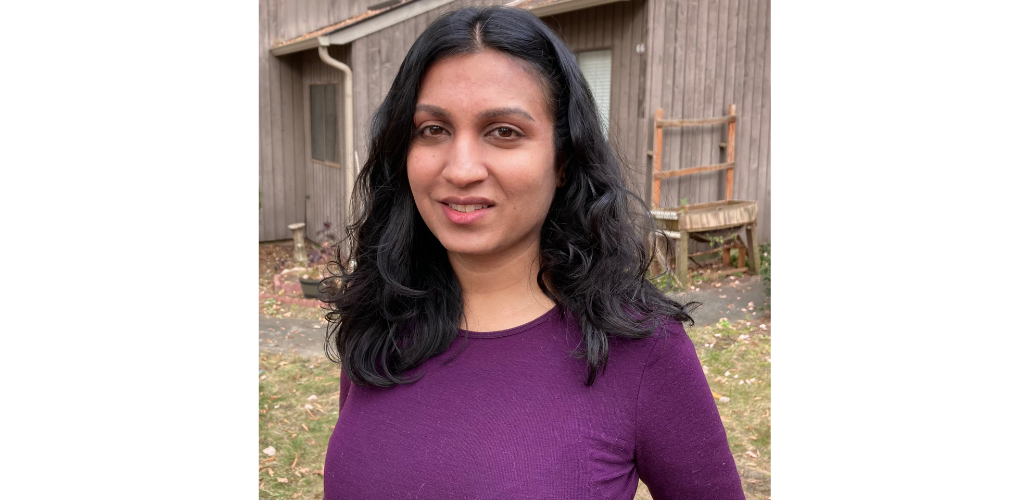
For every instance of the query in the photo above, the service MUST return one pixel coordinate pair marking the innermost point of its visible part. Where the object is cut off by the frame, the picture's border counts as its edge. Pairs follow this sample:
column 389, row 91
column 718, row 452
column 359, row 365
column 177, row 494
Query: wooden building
column 692, row 58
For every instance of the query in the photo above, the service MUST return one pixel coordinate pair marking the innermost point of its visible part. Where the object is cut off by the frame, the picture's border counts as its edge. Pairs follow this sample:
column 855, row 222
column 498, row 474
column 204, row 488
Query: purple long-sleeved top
column 510, row 417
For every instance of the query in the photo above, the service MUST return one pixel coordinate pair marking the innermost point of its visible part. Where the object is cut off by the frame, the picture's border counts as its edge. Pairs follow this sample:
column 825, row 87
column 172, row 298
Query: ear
column 561, row 175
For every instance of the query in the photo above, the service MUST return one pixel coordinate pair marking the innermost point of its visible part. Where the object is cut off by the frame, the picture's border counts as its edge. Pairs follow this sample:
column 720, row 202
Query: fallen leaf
column 269, row 451
column 312, row 397
column 722, row 296
column 295, row 457
column 282, row 479
column 304, row 426
column 270, row 472
column 724, row 399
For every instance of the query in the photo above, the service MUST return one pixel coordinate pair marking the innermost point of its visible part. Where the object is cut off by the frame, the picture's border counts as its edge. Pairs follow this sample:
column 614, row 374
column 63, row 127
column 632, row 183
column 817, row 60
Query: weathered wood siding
column 326, row 185
column 619, row 26
column 299, row 17
column 705, row 55
column 700, row 56
column 292, row 190
column 282, row 171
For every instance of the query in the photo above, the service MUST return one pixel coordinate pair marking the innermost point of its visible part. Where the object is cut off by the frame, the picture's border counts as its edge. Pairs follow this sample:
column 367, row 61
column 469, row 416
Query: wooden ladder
column 731, row 135
column 675, row 225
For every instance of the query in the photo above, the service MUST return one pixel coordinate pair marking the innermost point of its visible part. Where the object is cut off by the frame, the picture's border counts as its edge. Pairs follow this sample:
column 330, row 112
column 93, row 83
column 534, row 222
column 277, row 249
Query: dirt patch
column 281, row 296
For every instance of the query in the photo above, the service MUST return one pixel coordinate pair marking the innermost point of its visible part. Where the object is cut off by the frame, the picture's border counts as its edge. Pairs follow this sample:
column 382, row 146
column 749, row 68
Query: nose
column 465, row 165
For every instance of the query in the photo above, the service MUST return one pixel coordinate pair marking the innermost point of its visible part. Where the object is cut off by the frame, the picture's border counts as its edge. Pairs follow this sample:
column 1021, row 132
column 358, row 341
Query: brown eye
column 433, row 130
column 505, row 133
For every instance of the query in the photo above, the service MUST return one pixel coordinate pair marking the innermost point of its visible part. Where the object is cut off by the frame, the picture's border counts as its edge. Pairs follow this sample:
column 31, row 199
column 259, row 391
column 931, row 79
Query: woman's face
column 481, row 165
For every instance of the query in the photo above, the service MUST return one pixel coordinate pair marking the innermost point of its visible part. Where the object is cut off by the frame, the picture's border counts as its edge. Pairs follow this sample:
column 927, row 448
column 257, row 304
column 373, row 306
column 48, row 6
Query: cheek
column 418, row 171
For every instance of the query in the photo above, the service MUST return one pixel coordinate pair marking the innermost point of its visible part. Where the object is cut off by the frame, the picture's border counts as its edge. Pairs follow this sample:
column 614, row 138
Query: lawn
column 298, row 405
column 299, row 402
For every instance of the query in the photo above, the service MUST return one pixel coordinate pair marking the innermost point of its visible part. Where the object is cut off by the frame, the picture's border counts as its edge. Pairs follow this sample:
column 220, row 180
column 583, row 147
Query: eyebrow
column 490, row 113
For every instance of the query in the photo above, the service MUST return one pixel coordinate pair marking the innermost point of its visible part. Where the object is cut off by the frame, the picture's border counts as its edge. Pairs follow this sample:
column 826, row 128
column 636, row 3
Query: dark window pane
column 318, row 122
column 331, row 148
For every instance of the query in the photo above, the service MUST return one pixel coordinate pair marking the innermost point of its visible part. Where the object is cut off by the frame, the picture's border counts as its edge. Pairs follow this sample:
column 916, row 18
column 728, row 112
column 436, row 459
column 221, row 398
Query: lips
column 465, row 210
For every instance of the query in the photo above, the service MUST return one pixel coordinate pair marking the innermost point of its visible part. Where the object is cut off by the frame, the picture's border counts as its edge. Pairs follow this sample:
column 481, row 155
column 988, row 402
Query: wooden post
column 682, row 259
column 656, row 160
column 755, row 261
column 731, row 141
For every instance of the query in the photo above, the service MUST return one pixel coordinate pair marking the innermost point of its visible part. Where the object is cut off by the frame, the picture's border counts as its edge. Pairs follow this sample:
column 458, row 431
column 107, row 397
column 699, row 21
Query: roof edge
column 361, row 25
column 560, row 6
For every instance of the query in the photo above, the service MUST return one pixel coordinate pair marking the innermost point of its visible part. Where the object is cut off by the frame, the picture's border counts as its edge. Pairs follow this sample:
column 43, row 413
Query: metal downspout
column 348, row 117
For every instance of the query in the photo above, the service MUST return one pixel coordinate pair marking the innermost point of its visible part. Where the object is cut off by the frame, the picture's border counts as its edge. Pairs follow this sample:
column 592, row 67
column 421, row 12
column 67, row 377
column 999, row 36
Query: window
column 324, row 145
column 596, row 66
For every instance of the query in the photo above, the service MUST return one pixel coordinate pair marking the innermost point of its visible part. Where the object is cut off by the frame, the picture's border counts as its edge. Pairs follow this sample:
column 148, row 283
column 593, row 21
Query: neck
column 500, row 291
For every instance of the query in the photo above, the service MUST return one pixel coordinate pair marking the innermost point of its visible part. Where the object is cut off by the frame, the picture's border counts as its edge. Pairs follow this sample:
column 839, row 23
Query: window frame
column 335, row 115
column 607, row 115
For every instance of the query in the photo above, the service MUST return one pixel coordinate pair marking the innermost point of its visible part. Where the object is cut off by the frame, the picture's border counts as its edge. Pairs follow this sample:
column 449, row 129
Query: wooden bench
column 679, row 224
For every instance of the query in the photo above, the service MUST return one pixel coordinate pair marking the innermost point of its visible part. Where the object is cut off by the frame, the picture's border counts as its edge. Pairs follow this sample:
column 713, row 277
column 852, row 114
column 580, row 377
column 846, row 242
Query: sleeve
column 681, row 449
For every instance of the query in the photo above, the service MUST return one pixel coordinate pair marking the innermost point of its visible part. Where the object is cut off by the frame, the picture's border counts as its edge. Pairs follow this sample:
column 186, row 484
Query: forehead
column 483, row 79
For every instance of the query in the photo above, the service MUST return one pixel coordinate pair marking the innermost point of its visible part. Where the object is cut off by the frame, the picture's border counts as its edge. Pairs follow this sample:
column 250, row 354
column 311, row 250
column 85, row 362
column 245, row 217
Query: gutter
column 348, row 113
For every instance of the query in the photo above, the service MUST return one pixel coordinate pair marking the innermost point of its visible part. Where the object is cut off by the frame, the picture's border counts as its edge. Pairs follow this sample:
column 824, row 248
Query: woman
column 497, row 334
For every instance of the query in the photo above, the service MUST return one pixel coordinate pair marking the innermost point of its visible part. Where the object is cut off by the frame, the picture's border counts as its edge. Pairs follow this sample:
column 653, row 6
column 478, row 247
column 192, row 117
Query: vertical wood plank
column 696, row 102
column 764, row 193
column 756, row 110
column 674, row 32
column 655, row 48
column 278, row 173
column 286, row 132
column 311, row 17
column 719, row 100
column 359, row 54
column 266, row 214
column 656, row 184
column 712, row 135
column 683, row 88
column 747, row 99
column 606, row 31
column 621, row 33
column 310, row 196
column 731, row 141
column 301, row 172
column 375, row 89
column 636, row 87
column 744, row 7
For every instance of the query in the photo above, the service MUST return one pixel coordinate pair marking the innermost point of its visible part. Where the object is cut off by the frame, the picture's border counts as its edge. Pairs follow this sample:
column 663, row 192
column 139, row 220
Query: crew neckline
column 510, row 331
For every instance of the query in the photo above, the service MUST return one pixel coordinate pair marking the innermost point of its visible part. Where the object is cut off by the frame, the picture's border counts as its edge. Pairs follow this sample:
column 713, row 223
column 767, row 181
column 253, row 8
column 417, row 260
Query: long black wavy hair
column 395, row 302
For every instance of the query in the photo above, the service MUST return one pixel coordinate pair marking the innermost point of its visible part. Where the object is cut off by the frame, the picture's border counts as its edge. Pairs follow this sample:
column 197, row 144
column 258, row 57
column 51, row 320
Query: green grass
column 297, row 427
column 737, row 362
column 736, row 358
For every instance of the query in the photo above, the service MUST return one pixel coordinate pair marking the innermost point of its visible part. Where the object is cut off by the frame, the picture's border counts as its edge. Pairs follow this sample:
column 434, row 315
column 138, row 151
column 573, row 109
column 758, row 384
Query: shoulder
column 668, row 344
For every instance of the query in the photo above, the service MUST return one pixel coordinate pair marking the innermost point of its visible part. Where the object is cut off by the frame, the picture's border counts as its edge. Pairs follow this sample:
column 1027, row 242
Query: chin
column 456, row 245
